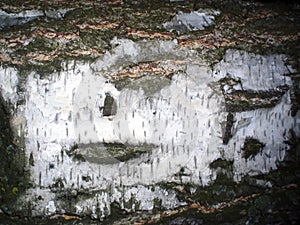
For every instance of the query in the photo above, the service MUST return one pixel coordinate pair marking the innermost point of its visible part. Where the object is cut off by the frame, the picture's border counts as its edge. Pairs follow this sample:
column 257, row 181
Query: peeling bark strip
column 101, row 26
column 144, row 34
column 65, row 216
column 164, row 68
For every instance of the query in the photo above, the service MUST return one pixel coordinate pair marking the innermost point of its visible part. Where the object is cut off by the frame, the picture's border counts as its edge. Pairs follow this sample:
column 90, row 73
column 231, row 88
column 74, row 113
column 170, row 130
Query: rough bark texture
column 167, row 112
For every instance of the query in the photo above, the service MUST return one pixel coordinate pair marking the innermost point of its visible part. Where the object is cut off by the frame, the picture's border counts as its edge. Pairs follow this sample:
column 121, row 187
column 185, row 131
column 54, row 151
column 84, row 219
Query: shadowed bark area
column 12, row 179
column 110, row 107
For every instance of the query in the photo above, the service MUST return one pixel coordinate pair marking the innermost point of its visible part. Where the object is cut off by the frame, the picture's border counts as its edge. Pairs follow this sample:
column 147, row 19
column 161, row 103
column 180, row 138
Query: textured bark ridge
column 85, row 135
column 149, row 121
